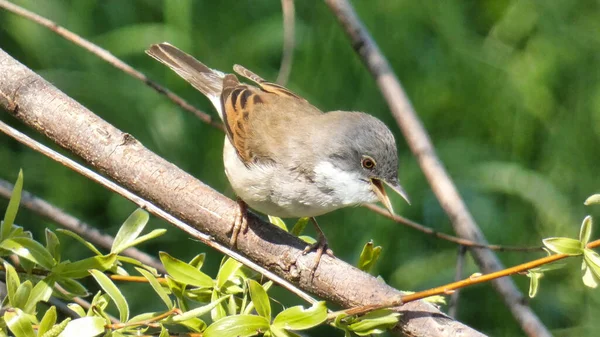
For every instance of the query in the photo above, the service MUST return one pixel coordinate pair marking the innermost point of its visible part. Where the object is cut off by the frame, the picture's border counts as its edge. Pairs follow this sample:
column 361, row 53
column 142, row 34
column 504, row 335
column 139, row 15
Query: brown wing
column 265, row 85
column 245, row 105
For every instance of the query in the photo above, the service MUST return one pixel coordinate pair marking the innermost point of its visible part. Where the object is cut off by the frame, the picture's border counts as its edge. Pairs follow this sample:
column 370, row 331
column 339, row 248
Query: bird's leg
column 321, row 245
column 240, row 222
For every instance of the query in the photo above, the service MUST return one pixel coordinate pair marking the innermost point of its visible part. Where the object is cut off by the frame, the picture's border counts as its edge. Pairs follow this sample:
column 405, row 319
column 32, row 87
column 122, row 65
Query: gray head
column 363, row 145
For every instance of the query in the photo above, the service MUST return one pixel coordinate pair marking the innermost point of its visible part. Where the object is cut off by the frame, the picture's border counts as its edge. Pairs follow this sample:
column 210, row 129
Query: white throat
column 344, row 188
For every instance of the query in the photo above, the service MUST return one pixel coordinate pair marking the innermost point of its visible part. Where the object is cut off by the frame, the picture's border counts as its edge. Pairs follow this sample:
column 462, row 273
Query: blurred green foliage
column 509, row 91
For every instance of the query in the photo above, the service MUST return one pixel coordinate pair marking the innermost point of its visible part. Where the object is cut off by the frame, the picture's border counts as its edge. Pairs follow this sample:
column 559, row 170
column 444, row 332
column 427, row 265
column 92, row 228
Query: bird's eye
column 368, row 163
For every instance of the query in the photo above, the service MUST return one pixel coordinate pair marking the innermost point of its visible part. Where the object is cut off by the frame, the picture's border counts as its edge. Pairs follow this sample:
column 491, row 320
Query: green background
column 508, row 90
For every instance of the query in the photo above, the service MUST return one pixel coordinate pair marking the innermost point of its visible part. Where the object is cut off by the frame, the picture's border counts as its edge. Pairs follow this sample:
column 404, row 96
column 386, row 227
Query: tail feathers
column 206, row 80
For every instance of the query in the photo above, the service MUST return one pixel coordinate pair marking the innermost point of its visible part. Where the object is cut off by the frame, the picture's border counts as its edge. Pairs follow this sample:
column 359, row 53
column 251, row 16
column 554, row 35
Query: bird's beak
column 379, row 189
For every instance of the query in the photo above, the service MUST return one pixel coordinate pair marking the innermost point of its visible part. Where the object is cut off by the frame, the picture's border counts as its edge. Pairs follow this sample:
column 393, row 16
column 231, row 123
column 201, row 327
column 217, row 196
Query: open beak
column 379, row 189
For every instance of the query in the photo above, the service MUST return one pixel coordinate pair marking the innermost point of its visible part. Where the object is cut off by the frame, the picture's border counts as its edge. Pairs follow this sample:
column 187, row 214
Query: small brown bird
column 283, row 156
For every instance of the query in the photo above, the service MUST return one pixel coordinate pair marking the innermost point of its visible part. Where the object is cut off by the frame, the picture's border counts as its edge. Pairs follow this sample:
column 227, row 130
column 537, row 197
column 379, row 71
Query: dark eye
column 368, row 163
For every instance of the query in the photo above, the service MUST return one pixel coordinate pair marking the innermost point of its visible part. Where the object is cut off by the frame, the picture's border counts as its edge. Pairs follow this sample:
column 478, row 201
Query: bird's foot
column 321, row 246
column 240, row 222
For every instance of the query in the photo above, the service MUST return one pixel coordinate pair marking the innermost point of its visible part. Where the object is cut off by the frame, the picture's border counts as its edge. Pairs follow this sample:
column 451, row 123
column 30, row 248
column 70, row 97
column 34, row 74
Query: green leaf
column 84, row 327
column 368, row 256
column 278, row 332
column 111, row 289
column 164, row 332
column 227, row 270
column 12, row 283
column 13, row 207
column 586, row 231
column 238, row 326
column 298, row 318
column 52, row 244
column 130, row 230
column 198, row 261
column 76, row 308
column 40, row 293
column 200, row 310
column 185, row 273
column 22, row 294
column 57, row 329
column 80, row 239
column 30, row 250
column 79, row 269
column 218, row 311
column 374, row 322
column 278, row 222
column 260, row 299
column 534, row 282
column 594, row 199
column 48, row 321
column 566, row 246
column 152, row 235
column 18, row 323
column 158, row 288
column 299, row 226
column 588, row 278
column 73, row 287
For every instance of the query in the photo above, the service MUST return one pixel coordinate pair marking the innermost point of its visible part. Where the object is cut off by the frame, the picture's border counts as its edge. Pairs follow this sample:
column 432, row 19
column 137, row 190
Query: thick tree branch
column 420, row 144
column 38, row 104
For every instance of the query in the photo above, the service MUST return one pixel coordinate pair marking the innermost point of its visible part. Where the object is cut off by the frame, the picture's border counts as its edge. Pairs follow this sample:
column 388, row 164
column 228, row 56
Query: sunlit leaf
column 130, row 230
column 41, row 292
column 13, row 207
column 374, row 322
column 298, row 318
column 238, row 326
column 534, row 282
column 260, row 299
column 76, row 308
column 80, row 239
column 164, row 332
column 368, row 256
column 566, row 246
column 184, row 273
column 84, row 327
column 218, row 311
column 586, row 231
column 111, row 289
column 47, row 321
column 278, row 222
column 199, row 311
column 30, row 250
column 53, row 244
column 227, row 270
column 12, row 282
column 198, row 261
column 79, row 269
column 588, row 278
column 22, row 294
column 594, row 199
column 149, row 236
column 299, row 226
column 158, row 288
column 18, row 323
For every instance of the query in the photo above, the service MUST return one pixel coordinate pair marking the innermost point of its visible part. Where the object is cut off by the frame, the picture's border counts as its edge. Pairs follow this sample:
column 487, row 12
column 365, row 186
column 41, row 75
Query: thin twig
column 460, row 266
column 421, row 146
column 451, row 238
column 289, row 41
column 206, row 239
column 469, row 281
column 71, row 223
column 109, row 58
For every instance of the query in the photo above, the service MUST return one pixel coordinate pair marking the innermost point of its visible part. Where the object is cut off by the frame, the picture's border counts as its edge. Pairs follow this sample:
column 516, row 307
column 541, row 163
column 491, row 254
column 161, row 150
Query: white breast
column 274, row 190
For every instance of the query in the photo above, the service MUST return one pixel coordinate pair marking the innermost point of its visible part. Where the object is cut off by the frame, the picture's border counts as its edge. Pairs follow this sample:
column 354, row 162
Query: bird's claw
column 240, row 222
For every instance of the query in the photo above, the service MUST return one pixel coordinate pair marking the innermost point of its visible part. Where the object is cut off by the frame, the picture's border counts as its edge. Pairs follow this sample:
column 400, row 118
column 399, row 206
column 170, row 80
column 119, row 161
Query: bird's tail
column 208, row 81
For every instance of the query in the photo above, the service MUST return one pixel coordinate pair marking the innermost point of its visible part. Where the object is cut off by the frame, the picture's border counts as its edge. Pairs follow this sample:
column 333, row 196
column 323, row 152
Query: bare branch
column 458, row 275
column 38, row 104
column 454, row 239
column 289, row 41
column 110, row 58
column 421, row 146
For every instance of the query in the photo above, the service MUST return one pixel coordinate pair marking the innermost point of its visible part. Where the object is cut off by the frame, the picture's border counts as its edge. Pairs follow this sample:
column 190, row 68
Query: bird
column 283, row 156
